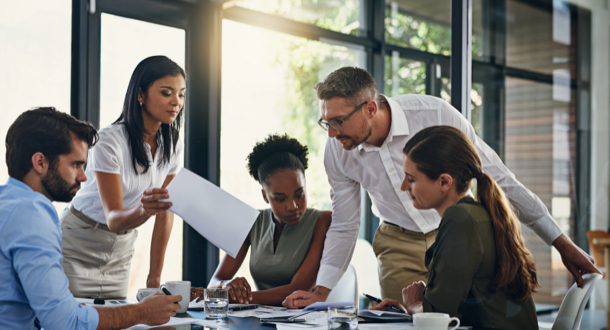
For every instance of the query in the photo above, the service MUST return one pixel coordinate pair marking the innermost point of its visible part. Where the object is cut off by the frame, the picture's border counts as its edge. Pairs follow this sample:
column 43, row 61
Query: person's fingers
column 240, row 292
column 154, row 197
column 577, row 276
column 298, row 299
column 175, row 298
column 288, row 302
column 231, row 292
column 248, row 290
column 387, row 302
column 153, row 191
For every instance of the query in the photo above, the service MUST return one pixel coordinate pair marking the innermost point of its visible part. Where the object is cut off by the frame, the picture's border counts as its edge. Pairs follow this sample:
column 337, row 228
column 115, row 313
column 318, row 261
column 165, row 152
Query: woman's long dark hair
column 445, row 149
column 144, row 75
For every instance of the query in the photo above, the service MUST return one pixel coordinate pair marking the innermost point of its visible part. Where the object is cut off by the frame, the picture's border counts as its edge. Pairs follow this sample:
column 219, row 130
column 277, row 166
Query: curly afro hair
column 275, row 153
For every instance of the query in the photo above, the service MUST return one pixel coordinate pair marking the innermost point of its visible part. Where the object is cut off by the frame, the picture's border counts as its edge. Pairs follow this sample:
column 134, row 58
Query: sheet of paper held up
column 217, row 215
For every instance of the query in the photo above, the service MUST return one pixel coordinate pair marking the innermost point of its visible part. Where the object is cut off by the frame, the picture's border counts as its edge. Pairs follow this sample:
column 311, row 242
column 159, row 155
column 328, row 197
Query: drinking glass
column 216, row 303
column 344, row 318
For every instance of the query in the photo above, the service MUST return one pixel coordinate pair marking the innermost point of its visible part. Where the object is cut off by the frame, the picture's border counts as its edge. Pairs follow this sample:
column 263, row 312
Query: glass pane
column 36, row 53
column 540, row 40
column 124, row 43
column 476, row 107
column 404, row 76
column 346, row 16
column 539, row 150
column 481, row 47
column 423, row 25
column 446, row 89
column 268, row 81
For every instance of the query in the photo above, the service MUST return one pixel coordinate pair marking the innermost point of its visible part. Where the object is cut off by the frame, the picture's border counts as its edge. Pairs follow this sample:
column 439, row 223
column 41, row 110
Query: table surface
column 232, row 322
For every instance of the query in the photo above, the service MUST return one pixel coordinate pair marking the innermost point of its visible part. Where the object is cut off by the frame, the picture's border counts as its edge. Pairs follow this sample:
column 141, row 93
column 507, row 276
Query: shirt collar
column 398, row 127
column 18, row 183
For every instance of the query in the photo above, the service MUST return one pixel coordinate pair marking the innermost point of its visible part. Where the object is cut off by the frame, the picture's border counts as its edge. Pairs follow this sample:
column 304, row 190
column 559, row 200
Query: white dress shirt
column 112, row 154
column 379, row 171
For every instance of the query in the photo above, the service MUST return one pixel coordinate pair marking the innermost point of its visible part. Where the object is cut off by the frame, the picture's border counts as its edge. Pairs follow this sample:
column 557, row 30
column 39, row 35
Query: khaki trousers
column 400, row 258
column 96, row 260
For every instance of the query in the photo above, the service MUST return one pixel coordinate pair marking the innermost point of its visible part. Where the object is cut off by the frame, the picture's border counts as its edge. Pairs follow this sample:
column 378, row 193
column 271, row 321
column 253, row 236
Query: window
column 344, row 16
column 422, row 25
column 268, row 81
column 36, row 58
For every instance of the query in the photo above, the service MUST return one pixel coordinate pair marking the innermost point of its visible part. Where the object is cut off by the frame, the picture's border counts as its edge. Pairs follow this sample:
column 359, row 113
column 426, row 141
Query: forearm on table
column 118, row 317
column 275, row 296
column 125, row 219
column 161, row 233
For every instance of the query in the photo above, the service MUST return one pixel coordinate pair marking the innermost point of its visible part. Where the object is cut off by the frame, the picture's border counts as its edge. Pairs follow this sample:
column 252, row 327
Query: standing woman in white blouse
column 128, row 170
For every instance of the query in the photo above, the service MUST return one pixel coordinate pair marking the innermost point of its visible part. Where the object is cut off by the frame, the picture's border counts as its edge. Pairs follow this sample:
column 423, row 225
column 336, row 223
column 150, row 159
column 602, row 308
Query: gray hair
column 351, row 83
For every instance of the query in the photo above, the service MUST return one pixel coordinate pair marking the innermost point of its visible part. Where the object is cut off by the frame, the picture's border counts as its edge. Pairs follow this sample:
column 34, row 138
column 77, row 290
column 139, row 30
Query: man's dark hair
column 44, row 130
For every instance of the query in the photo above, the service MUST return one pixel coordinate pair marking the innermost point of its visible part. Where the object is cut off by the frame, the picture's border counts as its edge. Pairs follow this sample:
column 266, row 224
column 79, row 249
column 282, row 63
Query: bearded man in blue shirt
column 46, row 151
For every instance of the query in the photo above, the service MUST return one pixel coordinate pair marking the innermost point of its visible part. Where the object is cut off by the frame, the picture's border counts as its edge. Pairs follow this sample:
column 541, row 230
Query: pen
column 377, row 300
column 242, row 307
column 166, row 291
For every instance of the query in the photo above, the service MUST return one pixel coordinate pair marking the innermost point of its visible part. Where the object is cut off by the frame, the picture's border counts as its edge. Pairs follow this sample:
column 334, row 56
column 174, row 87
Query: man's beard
column 355, row 143
column 59, row 189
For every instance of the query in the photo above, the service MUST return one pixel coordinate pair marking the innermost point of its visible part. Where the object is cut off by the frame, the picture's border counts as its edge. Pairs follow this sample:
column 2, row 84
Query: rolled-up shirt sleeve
column 32, row 241
column 530, row 209
column 343, row 232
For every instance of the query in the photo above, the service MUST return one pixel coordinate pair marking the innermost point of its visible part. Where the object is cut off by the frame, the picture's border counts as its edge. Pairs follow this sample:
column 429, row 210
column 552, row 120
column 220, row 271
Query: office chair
column 346, row 289
column 573, row 304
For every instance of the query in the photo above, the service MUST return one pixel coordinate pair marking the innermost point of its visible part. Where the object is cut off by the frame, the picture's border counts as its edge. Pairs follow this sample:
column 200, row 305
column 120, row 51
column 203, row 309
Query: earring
column 141, row 103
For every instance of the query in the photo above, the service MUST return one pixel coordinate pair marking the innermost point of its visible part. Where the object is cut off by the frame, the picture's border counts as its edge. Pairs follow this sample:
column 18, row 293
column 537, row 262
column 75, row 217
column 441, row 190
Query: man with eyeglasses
column 367, row 132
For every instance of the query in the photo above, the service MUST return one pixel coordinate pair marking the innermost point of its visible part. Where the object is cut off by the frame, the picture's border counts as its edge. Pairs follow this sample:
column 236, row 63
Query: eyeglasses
column 337, row 125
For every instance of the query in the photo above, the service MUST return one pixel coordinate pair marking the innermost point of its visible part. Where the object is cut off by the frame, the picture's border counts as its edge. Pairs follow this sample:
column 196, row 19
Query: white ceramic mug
column 434, row 321
column 182, row 288
column 143, row 293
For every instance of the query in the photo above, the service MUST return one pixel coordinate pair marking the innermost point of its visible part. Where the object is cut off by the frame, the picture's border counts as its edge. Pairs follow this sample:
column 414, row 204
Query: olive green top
column 271, row 269
column 461, row 267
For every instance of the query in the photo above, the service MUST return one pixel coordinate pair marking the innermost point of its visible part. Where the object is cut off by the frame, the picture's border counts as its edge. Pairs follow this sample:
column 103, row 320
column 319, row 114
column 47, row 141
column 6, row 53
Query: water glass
column 216, row 303
column 344, row 318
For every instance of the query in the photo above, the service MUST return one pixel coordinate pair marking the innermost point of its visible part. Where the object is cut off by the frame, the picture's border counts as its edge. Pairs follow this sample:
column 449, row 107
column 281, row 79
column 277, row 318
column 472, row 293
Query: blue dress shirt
column 32, row 281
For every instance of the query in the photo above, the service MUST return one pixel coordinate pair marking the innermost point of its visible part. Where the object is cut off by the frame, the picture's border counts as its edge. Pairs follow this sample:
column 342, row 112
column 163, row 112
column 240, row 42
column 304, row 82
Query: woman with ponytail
column 479, row 267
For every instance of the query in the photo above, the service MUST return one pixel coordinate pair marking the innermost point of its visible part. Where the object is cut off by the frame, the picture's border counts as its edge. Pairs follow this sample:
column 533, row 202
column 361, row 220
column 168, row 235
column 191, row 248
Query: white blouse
column 112, row 154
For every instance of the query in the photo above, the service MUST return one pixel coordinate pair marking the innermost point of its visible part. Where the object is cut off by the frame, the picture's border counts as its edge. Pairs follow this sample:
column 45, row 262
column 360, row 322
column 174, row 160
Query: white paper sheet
column 217, row 215
column 172, row 321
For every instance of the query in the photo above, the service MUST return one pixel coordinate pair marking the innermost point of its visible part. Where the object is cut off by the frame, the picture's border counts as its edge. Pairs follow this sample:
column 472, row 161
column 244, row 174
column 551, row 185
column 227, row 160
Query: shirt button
column 399, row 191
column 422, row 224
column 410, row 208
column 382, row 148
column 391, row 170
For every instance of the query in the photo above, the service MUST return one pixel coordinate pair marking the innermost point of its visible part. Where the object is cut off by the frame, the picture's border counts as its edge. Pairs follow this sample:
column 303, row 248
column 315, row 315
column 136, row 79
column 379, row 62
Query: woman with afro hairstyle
column 287, row 239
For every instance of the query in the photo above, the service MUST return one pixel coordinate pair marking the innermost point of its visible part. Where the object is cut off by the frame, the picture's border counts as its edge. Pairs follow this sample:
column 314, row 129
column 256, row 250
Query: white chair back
column 365, row 264
column 573, row 304
column 346, row 289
